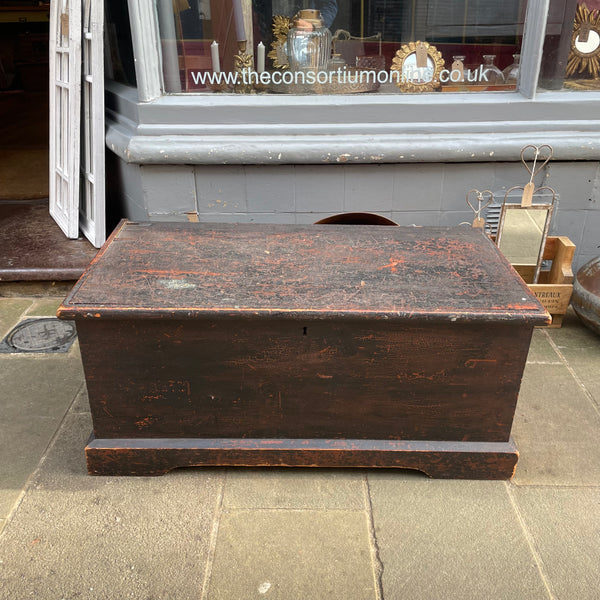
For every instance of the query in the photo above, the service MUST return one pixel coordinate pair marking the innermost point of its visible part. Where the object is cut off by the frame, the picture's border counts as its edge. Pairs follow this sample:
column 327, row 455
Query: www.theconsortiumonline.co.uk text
column 416, row 75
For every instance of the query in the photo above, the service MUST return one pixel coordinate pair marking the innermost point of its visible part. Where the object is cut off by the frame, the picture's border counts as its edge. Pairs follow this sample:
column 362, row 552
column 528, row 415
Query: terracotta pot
column 586, row 294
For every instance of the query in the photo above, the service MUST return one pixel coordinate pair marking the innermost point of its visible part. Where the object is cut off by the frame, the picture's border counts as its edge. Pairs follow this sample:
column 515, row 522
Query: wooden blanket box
column 308, row 346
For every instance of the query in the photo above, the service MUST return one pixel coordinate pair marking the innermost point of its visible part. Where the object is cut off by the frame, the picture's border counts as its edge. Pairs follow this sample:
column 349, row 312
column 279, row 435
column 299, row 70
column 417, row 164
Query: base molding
column 437, row 459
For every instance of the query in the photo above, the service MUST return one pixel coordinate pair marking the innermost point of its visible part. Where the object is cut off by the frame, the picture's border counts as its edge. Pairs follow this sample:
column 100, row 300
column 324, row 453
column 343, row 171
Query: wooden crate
column 555, row 286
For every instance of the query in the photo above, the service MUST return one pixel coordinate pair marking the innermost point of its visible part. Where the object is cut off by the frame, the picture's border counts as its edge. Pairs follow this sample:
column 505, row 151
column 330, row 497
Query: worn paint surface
column 289, row 379
column 204, row 270
column 436, row 459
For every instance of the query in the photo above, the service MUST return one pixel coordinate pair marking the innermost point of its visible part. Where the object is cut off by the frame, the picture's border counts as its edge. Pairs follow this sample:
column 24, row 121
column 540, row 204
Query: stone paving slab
column 556, row 430
column 552, row 406
column 565, row 526
column 37, row 391
column 292, row 555
column 84, row 537
column 580, row 348
column 573, row 333
column 294, row 489
column 44, row 307
column 81, row 404
column 557, row 464
column 11, row 310
column 540, row 350
column 451, row 540
column 585, row 363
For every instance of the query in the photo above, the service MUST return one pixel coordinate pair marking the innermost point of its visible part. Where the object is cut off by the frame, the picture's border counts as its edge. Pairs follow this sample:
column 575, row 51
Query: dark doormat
column 47, row 335
column 33, row 248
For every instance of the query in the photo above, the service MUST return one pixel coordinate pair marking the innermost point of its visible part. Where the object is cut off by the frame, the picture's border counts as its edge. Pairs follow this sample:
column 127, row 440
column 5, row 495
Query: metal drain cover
column 40, row 335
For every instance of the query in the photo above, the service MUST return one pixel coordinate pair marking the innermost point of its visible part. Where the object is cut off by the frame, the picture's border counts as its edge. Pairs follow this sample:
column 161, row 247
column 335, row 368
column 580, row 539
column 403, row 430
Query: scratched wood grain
column 197, row 269
column 298, row 379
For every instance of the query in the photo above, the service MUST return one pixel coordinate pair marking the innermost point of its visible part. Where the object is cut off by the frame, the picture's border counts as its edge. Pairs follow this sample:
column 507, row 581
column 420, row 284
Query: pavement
column 238, row 534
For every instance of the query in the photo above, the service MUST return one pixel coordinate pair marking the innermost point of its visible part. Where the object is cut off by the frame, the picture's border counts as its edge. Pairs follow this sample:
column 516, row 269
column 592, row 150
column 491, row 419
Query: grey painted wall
column 409, row 194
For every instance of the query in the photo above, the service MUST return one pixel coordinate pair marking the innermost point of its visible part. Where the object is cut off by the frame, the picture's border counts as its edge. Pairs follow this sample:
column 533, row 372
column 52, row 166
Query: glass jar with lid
column 309, row 42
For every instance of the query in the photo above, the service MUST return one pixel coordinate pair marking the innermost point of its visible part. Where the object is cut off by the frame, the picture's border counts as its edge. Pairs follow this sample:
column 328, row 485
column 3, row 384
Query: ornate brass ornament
column 278, row 52
column 412, row 75
column 585, row 43
column 243, row 63
column 582, row 84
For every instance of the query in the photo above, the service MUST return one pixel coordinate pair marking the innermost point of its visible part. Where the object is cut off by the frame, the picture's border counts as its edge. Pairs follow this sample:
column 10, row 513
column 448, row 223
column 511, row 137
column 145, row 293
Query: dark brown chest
column 302, row 345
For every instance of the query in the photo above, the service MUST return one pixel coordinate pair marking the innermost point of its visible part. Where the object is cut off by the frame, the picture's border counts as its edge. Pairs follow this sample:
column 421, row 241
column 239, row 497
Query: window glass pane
column 572, row 47
column 120, row 65
column 348, row 46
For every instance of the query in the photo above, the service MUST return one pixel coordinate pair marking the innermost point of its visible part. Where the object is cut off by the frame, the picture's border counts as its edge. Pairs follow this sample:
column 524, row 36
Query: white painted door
column 92, row 204
column 65, row 117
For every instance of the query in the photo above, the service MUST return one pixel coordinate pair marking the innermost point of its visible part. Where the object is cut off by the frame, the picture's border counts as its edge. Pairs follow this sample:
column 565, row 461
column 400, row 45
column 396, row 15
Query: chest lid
column 202, row 270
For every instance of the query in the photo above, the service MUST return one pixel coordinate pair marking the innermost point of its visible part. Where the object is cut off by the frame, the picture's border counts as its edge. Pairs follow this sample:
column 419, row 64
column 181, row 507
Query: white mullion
column 533, row 46
column 146, row 48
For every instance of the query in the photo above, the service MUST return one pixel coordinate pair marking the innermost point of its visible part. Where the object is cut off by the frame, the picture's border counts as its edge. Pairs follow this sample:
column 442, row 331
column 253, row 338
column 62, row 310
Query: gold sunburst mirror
column 585, row 43
column 418, row 66
column 278, row 52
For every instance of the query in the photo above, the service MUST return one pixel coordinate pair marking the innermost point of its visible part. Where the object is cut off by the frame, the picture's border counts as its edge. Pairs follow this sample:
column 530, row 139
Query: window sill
column 270, row 129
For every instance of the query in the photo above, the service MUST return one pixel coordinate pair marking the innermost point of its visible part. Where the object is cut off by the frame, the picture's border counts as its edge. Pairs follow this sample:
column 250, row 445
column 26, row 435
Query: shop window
column 571, row 58
column 350, row 46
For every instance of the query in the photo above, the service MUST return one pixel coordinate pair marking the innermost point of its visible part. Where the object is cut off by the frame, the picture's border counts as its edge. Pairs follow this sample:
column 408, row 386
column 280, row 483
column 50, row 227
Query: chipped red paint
column 392, row 266
column 320, row 271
